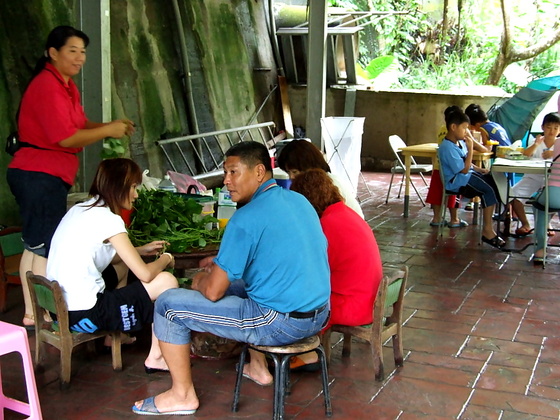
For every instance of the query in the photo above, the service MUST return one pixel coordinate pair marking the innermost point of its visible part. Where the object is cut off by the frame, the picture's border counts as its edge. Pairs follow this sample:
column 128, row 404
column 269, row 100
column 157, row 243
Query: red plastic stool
column 14, row 338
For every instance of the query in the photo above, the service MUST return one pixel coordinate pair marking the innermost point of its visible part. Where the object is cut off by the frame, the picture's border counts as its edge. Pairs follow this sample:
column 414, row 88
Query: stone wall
column 232, row 69
column 415, row 116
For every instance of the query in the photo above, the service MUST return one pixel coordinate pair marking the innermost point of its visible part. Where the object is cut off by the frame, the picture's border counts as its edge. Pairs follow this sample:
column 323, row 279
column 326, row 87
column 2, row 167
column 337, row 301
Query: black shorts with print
column 126, row 309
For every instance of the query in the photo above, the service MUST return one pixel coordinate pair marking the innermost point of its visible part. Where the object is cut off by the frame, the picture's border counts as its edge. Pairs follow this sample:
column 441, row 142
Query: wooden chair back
column 47, row 295
column 11, row 248
column 387, row 322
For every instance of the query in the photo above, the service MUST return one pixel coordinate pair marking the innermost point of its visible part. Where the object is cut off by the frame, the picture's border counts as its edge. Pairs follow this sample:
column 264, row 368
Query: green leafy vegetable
column 163, row 215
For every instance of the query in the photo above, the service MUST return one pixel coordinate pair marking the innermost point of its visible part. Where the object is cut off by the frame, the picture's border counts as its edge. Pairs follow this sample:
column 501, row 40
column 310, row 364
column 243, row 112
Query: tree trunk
column 508, row 54
column 445, row 19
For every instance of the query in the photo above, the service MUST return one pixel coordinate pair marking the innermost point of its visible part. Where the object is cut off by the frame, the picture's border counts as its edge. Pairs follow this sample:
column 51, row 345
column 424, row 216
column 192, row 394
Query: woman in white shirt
column 90, row 241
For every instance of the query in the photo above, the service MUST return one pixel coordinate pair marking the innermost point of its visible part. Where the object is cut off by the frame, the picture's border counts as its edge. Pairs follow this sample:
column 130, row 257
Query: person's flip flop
column 461, row 224
column 149, row 408
column 251, row 378
column 29, row 327
column 298, row 365
column 436, row 224
column 538, row 260
column 150, row 370
column 496, row 241
column 522, row 231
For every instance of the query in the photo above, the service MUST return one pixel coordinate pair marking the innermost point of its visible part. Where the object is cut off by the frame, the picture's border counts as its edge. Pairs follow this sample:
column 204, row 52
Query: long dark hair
column 302, row 155
column 112, row 182
column 57, row 39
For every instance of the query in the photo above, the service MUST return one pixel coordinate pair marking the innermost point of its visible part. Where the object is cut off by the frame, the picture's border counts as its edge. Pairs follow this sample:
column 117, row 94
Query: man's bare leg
column 155, row 357
column 257, row 369
column 182, row 395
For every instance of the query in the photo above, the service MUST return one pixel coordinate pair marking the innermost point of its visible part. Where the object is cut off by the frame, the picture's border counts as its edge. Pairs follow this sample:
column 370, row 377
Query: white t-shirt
column 530, row 183
column 346, row 192
column 80, row 252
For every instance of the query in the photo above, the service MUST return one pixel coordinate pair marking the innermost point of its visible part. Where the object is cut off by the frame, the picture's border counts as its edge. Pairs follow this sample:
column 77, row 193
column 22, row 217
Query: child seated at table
column 461, row 176
column 542, row 148
column 489, row 130
column 435, row 191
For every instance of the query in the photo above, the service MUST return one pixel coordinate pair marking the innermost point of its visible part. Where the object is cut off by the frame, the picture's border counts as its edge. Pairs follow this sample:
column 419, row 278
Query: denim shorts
column 234, row 316
column 42, row 205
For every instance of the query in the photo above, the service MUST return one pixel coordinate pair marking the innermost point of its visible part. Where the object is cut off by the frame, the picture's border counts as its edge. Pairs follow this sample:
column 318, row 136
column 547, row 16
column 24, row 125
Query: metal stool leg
column 239, row 379
column 279, row 388
column 325, row 377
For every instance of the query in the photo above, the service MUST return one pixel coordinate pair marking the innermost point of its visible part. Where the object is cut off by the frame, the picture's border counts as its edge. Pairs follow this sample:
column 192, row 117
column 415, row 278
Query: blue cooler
column 282, row 178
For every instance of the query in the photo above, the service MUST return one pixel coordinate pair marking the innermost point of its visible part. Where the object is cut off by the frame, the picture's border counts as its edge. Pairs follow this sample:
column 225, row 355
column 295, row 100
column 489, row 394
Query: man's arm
column 212, row 283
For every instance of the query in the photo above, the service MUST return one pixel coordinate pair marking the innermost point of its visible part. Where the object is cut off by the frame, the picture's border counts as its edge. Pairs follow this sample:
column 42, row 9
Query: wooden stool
column 281, row 356
column 14, row 338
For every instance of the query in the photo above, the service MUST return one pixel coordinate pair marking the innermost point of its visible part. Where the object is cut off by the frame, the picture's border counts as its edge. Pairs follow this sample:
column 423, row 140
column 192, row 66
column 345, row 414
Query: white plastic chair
column 397, row 143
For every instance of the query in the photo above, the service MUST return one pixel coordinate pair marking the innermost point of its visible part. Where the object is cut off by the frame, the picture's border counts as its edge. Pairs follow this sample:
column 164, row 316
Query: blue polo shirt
column 276, row 245
column 452, row 162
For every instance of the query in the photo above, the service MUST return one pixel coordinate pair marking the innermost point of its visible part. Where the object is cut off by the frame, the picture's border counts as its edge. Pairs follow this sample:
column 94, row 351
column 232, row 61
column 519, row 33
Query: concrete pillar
column 94, row 80
column 316, row 70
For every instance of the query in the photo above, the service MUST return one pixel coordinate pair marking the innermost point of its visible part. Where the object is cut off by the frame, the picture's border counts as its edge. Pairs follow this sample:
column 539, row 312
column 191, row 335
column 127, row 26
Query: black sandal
column 496, row 241
column 538, row 261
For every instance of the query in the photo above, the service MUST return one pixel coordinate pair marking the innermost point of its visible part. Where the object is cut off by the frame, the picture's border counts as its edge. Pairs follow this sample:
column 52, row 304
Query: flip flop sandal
column 149, row 408
column 437, row 224
column 461, row 224
column 298, row 365
column 538, row 260
column 496, row 241
column 522, row 231
column 29, row 327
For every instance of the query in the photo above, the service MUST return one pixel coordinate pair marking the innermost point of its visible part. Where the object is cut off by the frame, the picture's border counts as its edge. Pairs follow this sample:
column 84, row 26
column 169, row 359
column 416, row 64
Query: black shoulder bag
column 12, row 143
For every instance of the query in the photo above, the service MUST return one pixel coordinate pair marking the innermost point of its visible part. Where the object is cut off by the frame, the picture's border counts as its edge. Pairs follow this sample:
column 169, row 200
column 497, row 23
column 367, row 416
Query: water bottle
column 226, row 207
column 167, row 185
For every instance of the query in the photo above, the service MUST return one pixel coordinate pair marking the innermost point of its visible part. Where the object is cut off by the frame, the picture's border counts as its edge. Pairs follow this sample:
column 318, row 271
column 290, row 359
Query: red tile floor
column 482, row 341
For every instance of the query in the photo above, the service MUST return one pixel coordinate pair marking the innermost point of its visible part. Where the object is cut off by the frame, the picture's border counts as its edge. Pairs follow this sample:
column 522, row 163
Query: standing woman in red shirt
column 53, row 128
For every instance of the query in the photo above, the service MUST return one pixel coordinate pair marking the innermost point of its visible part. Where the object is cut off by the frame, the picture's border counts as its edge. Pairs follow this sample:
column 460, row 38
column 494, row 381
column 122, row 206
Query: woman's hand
column 153, row 248
column 119, row 128
column 171, row 263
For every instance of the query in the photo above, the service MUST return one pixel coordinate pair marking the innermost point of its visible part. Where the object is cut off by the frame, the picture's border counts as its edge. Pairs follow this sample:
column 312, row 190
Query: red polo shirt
column 50, row 112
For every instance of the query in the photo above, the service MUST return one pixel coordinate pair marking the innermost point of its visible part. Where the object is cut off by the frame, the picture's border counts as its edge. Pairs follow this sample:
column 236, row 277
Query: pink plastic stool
column 14, row 338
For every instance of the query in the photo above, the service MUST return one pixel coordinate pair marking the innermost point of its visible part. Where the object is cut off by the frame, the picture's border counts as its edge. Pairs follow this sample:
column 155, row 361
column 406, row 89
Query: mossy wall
column 231, row 67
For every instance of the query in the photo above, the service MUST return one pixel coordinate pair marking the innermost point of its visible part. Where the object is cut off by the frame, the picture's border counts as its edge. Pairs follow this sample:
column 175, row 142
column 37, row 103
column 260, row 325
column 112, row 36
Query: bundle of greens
column 163, row 215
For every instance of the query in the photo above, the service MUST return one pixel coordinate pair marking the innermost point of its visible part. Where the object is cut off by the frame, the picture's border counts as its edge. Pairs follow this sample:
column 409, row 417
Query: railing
column 204, row 153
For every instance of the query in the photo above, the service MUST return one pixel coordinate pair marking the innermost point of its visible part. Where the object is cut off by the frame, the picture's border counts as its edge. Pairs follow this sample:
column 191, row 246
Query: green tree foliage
column 466, row 53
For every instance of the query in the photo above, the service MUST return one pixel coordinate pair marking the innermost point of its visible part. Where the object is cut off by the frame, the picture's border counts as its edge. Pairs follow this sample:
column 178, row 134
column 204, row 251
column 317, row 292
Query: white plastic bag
column 149, row 182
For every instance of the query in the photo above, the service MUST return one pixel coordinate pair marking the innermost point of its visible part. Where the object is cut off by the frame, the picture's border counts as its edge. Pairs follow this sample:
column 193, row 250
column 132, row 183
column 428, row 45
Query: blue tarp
column 517, row 114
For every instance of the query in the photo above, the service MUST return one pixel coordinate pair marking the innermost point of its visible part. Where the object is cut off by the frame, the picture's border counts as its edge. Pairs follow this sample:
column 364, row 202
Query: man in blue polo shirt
column 268, row 285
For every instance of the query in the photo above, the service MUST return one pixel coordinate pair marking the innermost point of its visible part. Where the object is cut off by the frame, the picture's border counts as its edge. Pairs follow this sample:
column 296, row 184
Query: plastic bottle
column 166, row 184
column 226, row 207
